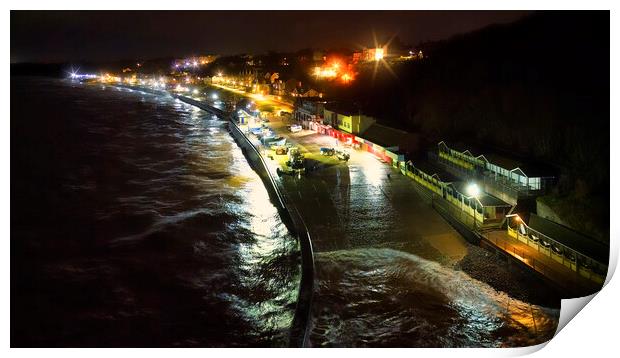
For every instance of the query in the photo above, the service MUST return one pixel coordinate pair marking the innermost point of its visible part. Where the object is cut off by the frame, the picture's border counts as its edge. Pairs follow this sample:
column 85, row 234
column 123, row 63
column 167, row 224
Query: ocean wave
column 416, row 302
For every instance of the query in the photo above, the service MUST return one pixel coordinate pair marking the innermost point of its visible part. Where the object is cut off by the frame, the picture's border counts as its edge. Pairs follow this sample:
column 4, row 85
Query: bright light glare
column 325, row 72
column 214, row 96
column 378, row 54
column 473, row 190
column 195, row 91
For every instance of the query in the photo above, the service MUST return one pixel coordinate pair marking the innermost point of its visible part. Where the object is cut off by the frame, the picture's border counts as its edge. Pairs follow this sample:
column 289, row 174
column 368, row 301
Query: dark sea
column 136, row 221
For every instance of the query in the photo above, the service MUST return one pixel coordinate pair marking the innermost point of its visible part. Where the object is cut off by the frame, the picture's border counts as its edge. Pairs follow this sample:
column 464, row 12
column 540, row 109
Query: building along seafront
column 518, row 184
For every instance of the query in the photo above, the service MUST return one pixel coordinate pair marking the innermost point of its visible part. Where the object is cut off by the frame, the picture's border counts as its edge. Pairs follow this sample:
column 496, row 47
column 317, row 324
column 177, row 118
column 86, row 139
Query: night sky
column 59, row 36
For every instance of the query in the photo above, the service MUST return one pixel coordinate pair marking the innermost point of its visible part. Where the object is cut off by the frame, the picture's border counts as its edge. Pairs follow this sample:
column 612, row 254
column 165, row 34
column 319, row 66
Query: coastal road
column 259, row 99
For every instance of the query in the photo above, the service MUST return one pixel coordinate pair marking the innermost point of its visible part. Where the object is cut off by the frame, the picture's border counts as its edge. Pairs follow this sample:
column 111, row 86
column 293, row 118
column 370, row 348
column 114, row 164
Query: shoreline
column 300, row 332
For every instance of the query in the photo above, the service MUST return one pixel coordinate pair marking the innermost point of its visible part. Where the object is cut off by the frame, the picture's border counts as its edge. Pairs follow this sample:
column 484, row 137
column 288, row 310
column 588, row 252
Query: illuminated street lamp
column 378, row 54
column 214, row 96
column 474, row 191
column 519, row 223
column 195, row 91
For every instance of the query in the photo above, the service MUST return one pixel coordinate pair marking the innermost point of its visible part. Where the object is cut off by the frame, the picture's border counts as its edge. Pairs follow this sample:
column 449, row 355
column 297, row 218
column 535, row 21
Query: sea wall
column 202, row 105
column 300, row 329
column 144, row 89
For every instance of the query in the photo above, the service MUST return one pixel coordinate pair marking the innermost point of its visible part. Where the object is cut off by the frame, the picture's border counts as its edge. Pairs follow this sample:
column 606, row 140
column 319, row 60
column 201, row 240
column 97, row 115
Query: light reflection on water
column 162, row 234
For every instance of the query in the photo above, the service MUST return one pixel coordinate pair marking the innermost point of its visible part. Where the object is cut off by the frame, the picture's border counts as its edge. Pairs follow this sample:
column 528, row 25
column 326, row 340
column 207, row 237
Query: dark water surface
column 136, row 221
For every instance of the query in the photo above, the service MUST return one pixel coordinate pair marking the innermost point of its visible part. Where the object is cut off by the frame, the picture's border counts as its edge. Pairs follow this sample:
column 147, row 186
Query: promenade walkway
column 563, row 276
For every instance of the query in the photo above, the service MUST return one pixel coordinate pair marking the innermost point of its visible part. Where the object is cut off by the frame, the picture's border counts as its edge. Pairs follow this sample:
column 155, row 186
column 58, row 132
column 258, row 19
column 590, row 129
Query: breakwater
column 218, row 112
column 145, row 90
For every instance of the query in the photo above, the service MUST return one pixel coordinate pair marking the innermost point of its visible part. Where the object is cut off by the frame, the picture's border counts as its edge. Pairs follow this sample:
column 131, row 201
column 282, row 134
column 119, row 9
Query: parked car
column 343, row 155
column 328, row 151
column 295, row 128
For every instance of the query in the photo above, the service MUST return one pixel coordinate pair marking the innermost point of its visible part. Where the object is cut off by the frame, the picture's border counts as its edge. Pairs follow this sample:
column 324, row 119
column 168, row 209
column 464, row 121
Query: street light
column 214, row 96
column 474, row 191
column 519, row 222
column 516, row 216
column 378, row 54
